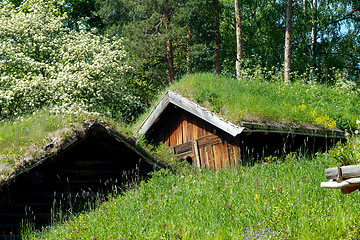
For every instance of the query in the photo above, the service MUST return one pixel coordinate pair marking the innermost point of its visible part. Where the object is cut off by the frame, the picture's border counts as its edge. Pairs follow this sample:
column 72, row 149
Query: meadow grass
column 252, row 98
column 18, row 135
column 282, row 200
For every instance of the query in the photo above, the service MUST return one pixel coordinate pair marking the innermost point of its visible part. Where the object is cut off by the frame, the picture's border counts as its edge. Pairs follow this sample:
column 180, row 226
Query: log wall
column 84, row 174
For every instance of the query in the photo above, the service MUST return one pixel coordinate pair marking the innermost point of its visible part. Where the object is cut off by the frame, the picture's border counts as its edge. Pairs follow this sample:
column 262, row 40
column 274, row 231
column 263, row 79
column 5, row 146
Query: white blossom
column 43, row 64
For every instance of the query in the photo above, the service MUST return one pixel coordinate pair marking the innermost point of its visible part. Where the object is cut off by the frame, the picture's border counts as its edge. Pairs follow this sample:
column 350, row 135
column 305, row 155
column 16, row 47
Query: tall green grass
column 252, row 98
column 283, row 199
column 27, row 136
column 18, row 135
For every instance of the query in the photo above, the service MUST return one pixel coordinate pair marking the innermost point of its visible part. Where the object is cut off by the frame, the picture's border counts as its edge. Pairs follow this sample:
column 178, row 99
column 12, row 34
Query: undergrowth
column 280, row 199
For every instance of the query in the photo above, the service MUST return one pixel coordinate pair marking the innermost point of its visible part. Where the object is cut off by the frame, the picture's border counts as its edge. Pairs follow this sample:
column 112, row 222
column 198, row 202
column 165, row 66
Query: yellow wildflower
column 302, row 107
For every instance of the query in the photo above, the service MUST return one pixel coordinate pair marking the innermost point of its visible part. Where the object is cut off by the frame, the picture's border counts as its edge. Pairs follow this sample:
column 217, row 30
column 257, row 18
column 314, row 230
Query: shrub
column 42, row 63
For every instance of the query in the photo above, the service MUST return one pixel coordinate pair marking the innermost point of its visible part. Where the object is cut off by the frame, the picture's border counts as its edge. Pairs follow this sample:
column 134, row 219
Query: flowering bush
column 44, row 64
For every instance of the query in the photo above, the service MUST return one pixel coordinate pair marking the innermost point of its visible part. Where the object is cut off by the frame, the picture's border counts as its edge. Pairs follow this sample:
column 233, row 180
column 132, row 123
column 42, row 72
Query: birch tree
column 288, row 29
column 239, row 49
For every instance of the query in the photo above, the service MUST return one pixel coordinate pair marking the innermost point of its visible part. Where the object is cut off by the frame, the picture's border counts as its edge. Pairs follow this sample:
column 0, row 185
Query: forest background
column 114, row 56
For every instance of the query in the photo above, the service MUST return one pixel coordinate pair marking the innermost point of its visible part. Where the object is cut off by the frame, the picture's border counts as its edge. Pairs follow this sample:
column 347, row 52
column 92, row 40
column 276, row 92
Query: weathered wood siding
column 192, row 137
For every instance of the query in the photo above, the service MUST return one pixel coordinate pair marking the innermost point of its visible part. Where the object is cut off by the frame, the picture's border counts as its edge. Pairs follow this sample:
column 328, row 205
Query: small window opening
column 189, row 160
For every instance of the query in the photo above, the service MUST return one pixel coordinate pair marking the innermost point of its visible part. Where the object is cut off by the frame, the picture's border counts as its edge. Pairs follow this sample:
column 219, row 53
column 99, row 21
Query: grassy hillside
column 251, row 98
column 279, row 199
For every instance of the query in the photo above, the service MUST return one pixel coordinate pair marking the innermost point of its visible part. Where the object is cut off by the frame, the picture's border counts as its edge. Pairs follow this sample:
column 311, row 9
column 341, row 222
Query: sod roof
column 58, row 141
column 270, row 106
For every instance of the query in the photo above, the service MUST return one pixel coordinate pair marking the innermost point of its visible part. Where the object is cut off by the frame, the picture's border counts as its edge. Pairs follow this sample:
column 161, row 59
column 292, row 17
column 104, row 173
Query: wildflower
column 302, row 107
column 257, row 197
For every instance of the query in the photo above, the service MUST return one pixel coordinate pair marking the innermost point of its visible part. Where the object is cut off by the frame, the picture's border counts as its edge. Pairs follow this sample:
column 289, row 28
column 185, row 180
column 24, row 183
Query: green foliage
column 347, row 153
column 147, row 25
column 325, row 37
column 43, row 64
column 252, row 98
column 283, row 198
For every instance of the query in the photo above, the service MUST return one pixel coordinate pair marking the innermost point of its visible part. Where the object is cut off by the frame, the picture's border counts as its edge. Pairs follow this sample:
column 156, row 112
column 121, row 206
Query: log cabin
column 83, row 170
column 204, row 139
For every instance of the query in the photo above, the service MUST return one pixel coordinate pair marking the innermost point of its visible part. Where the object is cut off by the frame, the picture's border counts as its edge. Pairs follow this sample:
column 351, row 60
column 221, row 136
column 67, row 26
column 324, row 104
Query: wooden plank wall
column 185, row 127
column 218, row 154
column 211, row 152
column 178, row 128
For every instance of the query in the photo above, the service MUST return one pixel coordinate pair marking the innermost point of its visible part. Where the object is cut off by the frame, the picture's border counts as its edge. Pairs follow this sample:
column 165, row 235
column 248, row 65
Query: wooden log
column 347, row 186
column 345, row 172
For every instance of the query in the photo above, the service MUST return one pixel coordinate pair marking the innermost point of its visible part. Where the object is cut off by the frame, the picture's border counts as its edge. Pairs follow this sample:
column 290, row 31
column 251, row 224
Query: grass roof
column 28, row 140
column 256, row 100
column 25, row 140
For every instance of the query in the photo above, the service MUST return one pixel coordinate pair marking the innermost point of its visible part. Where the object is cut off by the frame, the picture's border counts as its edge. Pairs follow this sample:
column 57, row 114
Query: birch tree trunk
column 239, row 49
column 313, row 30
column 217, row 38
column 288, row 28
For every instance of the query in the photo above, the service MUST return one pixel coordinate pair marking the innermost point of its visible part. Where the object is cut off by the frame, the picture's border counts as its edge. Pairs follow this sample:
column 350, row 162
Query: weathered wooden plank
column 345, row 172
column 210, row 157
column 200, row 129
column 185, row 147
column 190, row 134
column 231, row 155
column 226, row 159
column 202, row 157
column 237, row 151
column 184, row 127
column 172, row 136
column 184, row 155
column 347, row 186
column 197, row 160
column 166, row 133
column 209, row 140
column 216, row 157
column 195, row 127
